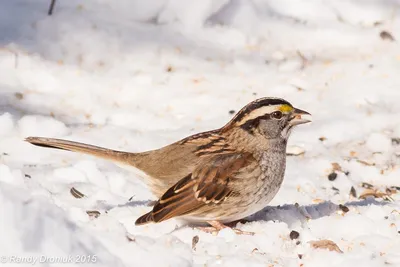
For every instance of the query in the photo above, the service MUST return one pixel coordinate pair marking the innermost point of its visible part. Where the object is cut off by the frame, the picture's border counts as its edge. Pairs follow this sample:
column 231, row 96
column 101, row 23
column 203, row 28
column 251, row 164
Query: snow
column 378, row 142
column 136, row 75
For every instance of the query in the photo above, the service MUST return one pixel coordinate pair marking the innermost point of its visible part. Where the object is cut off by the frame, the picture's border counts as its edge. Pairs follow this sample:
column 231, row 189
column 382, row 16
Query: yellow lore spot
column 285, row 108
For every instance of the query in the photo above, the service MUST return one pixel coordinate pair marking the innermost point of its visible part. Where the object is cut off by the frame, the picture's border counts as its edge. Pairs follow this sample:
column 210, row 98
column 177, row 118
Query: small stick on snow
column 52, row 4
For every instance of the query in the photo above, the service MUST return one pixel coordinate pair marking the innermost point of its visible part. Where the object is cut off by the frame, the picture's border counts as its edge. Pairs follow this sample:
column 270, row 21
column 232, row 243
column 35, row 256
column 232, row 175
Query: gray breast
column 272, row 165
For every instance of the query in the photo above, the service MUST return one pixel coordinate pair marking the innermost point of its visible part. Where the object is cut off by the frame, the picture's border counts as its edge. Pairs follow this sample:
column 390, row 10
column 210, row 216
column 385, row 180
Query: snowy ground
column 134, row 76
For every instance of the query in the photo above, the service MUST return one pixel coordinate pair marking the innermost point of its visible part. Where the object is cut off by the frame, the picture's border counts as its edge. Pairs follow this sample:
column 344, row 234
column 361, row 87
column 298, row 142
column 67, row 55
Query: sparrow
column 215, row 177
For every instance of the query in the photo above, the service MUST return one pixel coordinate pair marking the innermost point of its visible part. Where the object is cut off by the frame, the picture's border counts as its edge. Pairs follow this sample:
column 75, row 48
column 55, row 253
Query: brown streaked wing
column 213, row 179
column 208, row 184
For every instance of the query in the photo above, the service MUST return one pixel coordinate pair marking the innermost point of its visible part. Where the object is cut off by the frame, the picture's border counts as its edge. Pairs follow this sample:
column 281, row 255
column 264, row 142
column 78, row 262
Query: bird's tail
column 100, row 152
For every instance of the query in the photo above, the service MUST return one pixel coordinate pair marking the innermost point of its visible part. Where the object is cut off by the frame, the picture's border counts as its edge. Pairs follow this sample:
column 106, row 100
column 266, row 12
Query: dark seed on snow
column 344, row 208
column 367, row 185
column 19, row 95
column 300, row 256
column 385, row 35
column 231, row 111
column 332, row 176
column 353, row 192
column 27, row 175
column 93, row 213
column 395, row 141
column 294, row 235
column 130, row 239
column 195, row 240
column 76, row 193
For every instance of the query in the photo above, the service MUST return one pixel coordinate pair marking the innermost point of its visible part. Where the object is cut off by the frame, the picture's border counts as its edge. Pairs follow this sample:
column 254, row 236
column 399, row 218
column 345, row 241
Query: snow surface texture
column 136, row 75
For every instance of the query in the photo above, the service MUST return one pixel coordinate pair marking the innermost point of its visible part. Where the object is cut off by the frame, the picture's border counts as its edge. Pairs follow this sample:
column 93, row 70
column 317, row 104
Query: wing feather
column 209, row 184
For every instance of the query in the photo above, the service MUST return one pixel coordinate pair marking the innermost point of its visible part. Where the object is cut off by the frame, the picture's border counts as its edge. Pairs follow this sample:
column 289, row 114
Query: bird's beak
column 299, row 117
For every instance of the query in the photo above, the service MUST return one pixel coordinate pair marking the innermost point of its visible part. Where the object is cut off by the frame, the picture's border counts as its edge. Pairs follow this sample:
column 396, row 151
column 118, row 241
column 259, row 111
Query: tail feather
column 79, row 147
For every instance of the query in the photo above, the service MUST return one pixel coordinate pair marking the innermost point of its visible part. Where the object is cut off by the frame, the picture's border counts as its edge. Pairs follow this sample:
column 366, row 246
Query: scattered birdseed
column 385, row 35
column 294, row 235
column 76, row 193
column 325, row 244
column 19, row 95
column 336, row 167
column 130, row 238
column 27, row 176
column 376, row 194
column 395, row 141
column 93, row 213
column 231, row 112
column 195, row 240
column 332, row 176
column 344, row 208
column 367, row 185
column 294, row 151
column 353, row 192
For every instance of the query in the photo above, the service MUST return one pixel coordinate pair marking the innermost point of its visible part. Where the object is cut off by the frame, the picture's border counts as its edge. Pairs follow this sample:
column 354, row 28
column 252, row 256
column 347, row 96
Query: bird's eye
column 276, row 115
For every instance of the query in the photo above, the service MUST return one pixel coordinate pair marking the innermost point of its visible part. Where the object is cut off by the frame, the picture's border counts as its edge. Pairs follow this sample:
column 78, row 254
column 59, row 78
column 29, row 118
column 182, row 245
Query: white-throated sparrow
column 217, row 176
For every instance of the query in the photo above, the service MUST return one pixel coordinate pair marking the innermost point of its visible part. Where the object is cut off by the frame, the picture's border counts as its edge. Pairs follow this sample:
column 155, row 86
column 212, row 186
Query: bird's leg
column 217, row 226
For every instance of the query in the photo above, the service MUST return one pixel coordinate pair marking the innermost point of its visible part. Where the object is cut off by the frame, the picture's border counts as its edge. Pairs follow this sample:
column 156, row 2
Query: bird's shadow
column 294, row 213
column 289, row 213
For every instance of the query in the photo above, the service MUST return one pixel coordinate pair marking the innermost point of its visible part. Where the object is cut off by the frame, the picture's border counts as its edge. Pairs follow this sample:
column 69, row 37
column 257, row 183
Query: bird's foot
column 218, row 226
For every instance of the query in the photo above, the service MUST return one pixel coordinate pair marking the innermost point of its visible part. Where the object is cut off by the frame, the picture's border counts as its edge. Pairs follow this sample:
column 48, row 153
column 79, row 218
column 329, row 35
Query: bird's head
column 269, row 117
